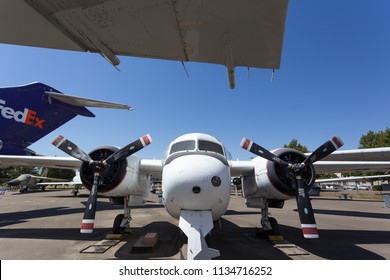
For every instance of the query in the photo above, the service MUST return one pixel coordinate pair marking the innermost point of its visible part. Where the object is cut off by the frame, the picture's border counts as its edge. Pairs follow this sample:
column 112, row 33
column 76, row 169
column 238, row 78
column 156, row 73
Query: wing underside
column 228, row 32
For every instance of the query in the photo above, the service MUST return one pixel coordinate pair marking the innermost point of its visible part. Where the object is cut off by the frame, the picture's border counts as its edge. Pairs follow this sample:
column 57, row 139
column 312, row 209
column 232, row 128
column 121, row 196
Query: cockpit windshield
column 203, row 145
column 188, row 145
column 210, row 146
column 196, row 144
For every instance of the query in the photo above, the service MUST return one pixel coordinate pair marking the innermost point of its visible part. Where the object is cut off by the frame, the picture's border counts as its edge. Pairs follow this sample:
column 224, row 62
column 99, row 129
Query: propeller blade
column 260, row 151
column 324, row 150
column 70, row 148
column 129, row 149
column 89, row 215
column 306, row 214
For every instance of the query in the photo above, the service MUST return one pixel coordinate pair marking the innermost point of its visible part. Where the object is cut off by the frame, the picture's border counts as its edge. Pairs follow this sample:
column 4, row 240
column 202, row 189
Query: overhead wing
column 228, row 32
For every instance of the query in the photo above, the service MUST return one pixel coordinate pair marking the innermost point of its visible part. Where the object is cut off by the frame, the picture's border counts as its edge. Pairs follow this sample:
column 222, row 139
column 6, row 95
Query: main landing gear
column 269, row 225
column 122, row 221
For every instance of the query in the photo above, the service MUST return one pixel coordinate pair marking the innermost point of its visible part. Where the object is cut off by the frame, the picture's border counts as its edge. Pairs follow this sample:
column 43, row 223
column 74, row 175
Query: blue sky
column 334, row 80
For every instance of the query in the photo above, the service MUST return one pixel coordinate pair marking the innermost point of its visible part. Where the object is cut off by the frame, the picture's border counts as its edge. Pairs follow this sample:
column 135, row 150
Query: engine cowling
column 275, row 181
column 119, row 179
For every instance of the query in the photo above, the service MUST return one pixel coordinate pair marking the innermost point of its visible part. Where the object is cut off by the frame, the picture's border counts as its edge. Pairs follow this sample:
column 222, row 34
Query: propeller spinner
column 306, row 215
column 98, row 167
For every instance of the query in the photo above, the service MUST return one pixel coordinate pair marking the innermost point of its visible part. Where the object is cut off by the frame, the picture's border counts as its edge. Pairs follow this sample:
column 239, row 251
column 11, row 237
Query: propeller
column 98, row 167
column 306, row 214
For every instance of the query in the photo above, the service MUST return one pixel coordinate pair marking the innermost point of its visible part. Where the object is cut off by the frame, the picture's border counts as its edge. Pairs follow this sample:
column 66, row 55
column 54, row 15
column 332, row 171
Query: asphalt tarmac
column 45, row 225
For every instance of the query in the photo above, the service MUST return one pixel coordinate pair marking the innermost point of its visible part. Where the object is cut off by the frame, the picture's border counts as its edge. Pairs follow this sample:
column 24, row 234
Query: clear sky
column 334, row 80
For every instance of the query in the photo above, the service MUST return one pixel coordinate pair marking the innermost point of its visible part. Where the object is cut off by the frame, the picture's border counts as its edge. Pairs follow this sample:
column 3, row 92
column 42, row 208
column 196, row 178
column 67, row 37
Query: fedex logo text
column 28, row 116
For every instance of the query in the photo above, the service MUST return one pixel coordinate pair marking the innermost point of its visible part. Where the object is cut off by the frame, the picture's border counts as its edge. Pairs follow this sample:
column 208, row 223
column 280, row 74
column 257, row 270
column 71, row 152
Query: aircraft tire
column 116, row 229
column 275, row 226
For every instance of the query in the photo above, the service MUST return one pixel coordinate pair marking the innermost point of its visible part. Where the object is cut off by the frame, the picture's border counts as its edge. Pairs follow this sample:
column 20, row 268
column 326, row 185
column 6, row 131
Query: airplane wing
column 33, row 161
column 354, row 160
column 351, row 166
column 152, row 167
column 372, row 160
column 47, row 178
column 372, row 154
column 148, row 166
column 239, row 168
column 229, row 32
column 352, row 178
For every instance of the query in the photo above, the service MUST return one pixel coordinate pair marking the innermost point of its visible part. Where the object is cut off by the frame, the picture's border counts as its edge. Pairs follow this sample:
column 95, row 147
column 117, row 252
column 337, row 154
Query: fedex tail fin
column 29, row 112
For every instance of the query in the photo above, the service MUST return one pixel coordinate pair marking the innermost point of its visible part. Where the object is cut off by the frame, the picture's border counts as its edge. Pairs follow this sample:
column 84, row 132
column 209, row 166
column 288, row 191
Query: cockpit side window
column 183, row 146
column 210, row 146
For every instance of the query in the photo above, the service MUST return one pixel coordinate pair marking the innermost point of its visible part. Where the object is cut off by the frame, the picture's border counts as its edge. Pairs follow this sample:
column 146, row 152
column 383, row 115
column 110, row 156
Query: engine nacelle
column 119, row 179
column 274, row 181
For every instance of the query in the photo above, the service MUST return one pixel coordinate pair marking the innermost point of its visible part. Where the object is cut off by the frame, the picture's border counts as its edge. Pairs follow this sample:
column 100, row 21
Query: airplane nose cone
column 14, row 182
column 196, row 182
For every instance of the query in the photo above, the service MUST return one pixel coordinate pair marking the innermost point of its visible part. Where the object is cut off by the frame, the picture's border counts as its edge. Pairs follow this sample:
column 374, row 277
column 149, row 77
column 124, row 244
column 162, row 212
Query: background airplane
column 225, row 32
column 196, row 172
column 29, row 112
column 29, row 181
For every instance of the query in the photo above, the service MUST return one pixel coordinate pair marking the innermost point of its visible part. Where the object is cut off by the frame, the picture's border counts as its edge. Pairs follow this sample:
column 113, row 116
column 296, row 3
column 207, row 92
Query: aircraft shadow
column 23, row 216
column 54, row 233
column 351, row 213
column 234, row 212
column 170, row 241
column 338, row 244
column 233, row 242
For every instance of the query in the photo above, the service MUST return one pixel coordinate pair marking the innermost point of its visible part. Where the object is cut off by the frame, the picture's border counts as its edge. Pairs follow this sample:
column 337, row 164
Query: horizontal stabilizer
column 81, row 101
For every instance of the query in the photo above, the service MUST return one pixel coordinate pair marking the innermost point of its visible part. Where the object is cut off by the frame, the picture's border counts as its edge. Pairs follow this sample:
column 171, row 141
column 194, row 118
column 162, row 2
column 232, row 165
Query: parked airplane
column 29, row 181
column 196, row 172
column 29, row 112
column 227, row 32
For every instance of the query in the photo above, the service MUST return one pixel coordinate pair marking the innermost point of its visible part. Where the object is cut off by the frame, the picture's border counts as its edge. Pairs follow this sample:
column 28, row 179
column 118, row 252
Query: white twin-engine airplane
column 196, row 173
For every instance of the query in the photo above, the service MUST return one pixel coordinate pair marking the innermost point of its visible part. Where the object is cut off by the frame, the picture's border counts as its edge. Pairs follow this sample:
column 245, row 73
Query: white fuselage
column 196, row 177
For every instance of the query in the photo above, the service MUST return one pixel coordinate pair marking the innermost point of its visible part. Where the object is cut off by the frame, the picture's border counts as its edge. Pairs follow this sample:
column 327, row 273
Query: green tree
column 66, row 174
column 294, row 144
column 14, row 172
column 375, row 139
column 372, row 140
